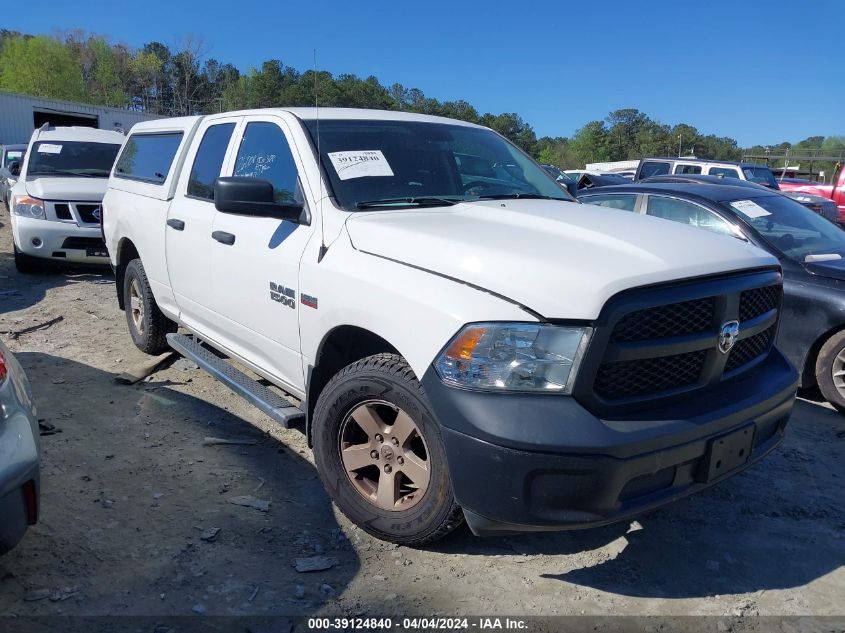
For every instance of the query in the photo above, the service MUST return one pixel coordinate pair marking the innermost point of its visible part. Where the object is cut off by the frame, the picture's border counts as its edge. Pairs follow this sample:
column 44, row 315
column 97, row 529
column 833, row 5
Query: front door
column 255, row 266
column 189, row 224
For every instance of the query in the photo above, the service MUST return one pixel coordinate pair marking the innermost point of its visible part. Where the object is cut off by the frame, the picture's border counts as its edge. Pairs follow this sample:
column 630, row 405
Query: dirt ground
column 129, row 490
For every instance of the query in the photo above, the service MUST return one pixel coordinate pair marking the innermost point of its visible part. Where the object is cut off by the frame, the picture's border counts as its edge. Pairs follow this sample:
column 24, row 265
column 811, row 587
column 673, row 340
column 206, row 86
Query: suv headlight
column 27, row 207
column 532, row 357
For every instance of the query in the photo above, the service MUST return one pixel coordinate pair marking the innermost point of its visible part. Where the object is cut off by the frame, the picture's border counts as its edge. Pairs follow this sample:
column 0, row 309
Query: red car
column 835, row 192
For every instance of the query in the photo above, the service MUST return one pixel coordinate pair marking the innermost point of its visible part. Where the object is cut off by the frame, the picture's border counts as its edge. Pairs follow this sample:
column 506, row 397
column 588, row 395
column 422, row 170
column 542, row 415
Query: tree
column 40, row 66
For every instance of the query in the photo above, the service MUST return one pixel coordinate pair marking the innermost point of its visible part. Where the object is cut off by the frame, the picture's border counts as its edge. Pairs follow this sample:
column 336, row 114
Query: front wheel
column 830, row 371
column 147, row 324
column 380, row 455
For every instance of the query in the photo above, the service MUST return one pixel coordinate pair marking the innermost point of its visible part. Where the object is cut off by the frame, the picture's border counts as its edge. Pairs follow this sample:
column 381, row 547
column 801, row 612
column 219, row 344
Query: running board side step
column 271, row 403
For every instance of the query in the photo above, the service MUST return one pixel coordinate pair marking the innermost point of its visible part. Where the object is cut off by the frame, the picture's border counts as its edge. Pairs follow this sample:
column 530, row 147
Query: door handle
column 173, row 223
column 223, row 237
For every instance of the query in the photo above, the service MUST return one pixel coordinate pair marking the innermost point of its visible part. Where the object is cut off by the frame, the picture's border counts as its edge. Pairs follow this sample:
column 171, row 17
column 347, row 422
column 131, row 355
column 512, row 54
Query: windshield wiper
column 428, row 201
column 520, row 196
column 67, row 172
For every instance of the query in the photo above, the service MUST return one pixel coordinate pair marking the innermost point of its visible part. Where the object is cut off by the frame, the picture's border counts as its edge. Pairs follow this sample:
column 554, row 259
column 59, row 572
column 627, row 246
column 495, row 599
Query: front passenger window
column 623, row 201
column 265, row 154
column 687, row 212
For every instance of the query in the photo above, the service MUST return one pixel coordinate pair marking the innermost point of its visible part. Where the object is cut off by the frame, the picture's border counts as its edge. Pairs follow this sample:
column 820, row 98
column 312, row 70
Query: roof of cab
column 74, row 133
column 306, row 114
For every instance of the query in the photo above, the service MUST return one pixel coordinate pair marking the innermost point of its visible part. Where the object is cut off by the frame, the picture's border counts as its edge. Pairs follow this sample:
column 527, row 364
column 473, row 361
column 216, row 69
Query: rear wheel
column 380, row 455
column 830, row 371
column 27, row 264
column 147, row 324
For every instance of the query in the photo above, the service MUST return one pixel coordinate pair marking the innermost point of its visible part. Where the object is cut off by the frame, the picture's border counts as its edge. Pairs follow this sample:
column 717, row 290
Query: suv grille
column 89, row 213
column 642, row 353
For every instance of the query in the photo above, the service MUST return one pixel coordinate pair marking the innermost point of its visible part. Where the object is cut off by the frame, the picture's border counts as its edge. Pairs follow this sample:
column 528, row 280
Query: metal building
column 21, row 114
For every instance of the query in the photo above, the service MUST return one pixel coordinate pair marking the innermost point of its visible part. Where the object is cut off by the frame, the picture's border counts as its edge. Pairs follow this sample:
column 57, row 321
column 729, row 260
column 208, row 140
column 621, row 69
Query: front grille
column 82, row 243
column 644, row 348
column 651, row 375
column 63, row 211
column 749, row 349
column 686, row 317
column 89, row 213
column 753, row 303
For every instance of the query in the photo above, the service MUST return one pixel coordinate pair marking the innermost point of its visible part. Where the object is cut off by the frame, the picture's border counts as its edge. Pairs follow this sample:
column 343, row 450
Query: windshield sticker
column 750, row 209
column 49, row 148
column 360, row 164
column 14, row 155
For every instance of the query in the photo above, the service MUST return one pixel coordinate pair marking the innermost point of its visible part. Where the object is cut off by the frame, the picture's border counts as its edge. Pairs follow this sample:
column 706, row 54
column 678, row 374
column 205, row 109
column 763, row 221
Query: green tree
column 40, row 66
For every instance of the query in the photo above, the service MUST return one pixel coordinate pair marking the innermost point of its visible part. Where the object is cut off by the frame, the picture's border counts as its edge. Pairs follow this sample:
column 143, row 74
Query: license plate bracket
column 728, row 452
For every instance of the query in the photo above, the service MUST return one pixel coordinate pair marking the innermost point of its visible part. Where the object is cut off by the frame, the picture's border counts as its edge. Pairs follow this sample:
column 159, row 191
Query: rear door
column 190, row 219
column 255, row 265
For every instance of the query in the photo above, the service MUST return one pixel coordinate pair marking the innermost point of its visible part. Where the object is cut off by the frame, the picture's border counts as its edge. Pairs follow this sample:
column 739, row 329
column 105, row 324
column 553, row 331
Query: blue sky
column 749, row 70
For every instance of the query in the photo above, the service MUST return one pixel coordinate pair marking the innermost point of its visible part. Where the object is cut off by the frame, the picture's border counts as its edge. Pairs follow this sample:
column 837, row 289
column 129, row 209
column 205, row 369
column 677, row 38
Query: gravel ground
column 131, row 494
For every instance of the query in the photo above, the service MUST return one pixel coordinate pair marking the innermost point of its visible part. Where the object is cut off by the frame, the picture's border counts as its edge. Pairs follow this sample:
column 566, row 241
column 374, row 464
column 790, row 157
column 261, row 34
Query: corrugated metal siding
column 16, row 115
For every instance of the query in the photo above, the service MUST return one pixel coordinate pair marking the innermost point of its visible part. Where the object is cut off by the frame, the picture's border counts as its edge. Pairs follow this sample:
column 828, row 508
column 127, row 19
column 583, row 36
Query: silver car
column 8, row 155
column 20, row 482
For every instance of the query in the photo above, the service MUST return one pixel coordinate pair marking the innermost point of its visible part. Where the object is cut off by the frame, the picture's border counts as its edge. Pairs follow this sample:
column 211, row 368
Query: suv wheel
column 27, row 264
column 147, row 325
column 379, row 453
column 830, row 371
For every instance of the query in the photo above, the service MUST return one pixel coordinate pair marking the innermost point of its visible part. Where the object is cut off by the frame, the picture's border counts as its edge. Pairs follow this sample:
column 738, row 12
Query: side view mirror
column 242, row 195
column 15, row 168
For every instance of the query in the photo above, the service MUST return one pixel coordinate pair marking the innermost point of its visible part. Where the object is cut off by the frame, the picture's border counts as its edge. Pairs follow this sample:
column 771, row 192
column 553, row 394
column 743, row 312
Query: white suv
column 56, row 203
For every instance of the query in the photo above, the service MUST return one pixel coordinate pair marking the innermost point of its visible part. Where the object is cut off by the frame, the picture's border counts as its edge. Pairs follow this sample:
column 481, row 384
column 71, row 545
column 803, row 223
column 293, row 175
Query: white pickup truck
column 456, row 336
column 55, row 203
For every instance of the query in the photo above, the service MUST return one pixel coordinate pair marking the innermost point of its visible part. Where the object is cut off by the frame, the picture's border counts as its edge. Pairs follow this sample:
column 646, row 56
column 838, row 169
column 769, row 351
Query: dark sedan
column 810, row 249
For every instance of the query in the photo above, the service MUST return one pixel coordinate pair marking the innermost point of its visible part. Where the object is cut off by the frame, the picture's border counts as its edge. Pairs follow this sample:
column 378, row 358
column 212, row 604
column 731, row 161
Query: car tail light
column 3, row 370
column 31, row 500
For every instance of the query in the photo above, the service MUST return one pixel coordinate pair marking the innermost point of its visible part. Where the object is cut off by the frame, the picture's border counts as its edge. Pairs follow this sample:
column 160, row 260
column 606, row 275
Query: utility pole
column 679, row 145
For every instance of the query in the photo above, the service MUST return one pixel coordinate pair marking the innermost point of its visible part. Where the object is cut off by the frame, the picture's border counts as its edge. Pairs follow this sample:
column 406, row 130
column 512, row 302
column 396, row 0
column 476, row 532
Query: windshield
column 790, row 227
column 761, row 175
column 72, row 158
column 411, row 164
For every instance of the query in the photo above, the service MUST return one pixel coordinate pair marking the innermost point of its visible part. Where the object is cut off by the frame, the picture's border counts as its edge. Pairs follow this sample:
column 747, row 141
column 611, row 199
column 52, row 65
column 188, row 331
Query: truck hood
column 75, row 189
column 560, row 259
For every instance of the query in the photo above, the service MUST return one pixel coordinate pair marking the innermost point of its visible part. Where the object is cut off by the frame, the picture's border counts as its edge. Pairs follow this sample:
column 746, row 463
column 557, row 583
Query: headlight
column 28, row 207
column 514, row 357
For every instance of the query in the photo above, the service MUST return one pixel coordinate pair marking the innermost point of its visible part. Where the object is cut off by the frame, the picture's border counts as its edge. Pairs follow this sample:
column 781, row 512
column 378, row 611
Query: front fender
column 417, row 312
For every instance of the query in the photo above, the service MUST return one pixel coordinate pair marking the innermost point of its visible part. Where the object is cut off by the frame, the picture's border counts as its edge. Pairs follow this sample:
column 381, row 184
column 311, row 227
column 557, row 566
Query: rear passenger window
column 209, row 160
column 148, row 157
column 688, row 169
column 653, row 168
column 623, row 201
column 265, row 154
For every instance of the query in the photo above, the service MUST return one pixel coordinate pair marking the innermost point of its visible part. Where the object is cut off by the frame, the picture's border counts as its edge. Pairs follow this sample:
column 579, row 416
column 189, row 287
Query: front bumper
column 532, row 462
column 58, row 241
column 20, row 483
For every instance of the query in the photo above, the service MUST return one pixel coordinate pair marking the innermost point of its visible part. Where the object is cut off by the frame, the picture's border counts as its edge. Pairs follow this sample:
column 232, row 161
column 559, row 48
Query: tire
column 27, row 264
column 147, row 324
column 383, row 386
column 831, row 360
